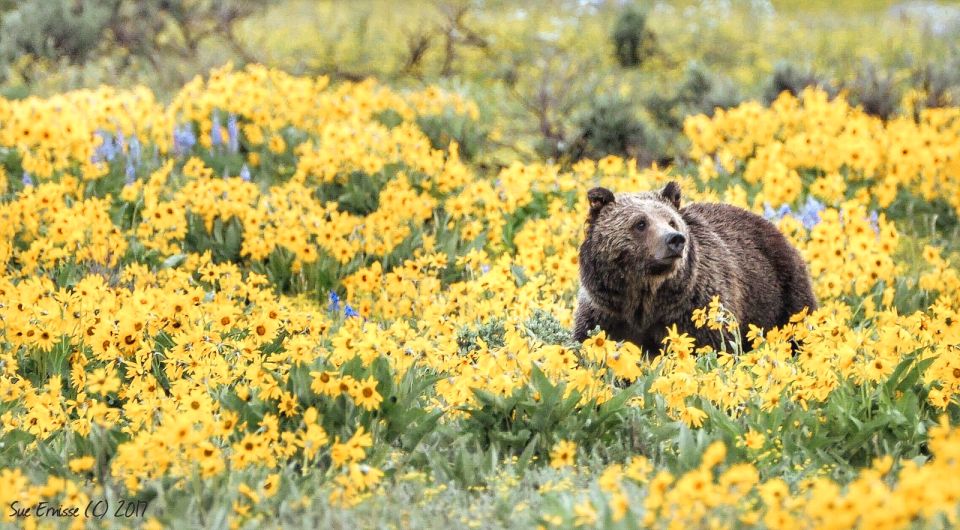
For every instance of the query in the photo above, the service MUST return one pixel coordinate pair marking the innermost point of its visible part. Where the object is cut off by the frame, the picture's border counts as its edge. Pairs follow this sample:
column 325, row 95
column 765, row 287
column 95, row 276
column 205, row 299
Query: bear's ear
column 671, row 193
column 598, row 197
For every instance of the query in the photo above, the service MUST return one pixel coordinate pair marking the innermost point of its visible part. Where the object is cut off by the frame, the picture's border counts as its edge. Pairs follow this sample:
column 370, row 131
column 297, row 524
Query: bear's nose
column 675, row 242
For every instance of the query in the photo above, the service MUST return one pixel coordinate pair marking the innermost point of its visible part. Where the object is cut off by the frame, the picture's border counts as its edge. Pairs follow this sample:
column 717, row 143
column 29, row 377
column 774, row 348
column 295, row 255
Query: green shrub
column 612, row 127
column 444, row 128
column 633, row 42
column 545, row 327
column 491, row 332
column 700, row 92
column 788, row 78
column 534, row 417
column 15, row 92
column 940, row 83
column 875, row 91
column 40, row 38
column 54, row 29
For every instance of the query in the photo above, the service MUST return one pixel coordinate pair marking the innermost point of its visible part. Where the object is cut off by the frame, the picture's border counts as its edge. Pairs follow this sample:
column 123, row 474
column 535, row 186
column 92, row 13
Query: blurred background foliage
column 561, row 79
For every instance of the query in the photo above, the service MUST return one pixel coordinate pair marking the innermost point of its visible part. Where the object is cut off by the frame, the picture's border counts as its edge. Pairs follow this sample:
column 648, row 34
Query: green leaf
column 616, row 403
column 687, row 453
column 865, row 432
column 412, row 438
column 528, row 451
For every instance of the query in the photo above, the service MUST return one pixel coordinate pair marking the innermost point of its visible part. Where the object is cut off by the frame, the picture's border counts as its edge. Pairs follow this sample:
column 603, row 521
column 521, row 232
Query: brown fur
column 635, row 281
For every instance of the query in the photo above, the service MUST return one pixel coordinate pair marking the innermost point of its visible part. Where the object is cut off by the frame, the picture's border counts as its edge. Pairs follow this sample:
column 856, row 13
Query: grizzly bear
column 646, row 264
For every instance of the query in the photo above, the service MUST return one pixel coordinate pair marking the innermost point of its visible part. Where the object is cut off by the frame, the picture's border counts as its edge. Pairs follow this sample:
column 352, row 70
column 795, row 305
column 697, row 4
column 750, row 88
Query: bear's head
column 632, row 239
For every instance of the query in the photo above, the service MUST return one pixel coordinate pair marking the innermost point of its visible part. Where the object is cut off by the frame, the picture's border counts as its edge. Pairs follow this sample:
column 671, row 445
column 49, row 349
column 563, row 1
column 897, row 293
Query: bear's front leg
column 588, row 316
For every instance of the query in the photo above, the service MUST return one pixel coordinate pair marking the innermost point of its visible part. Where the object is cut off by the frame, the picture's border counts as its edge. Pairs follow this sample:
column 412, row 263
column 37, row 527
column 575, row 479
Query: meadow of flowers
column 274, row 301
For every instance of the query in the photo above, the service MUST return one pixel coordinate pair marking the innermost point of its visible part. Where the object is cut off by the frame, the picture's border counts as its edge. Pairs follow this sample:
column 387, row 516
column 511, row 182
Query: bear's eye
column 641, row 225
column 673, row 224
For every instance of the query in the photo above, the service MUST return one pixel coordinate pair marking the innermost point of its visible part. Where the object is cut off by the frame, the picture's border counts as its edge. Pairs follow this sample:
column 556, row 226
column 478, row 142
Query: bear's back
column 763, row 274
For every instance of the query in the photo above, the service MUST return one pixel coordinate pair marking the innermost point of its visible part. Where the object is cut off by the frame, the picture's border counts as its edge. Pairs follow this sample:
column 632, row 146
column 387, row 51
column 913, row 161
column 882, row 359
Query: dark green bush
column 940, row 82
column 700, row 92
column 444, row 128
column 491, row 332
column 54, row 29
column 633, row 42
column 789, row 78
column 875, row 91
column 612, row 127
column 127, row 32
column 534, row 417
column 545, row 327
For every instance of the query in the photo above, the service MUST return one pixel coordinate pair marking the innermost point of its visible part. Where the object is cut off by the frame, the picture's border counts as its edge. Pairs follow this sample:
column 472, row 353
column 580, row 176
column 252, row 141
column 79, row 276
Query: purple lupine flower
column 233, row 134
column 810, row 220
column 27, row 179
column 183, row 139
column 245, row 173
column 135, row 151
column 875, row 222
column 107, row 150
column 334, row 301
column 349, row 312
column 484, row 268
column 215, row 136
column 810, row 213
column 121, row 141
column 768, row 212
column 717, row 166
column 131, row 172
column 775, row 215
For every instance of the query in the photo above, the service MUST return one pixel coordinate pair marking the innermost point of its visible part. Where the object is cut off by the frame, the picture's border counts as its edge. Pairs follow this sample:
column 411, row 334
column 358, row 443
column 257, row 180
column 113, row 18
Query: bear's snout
column 675, row 243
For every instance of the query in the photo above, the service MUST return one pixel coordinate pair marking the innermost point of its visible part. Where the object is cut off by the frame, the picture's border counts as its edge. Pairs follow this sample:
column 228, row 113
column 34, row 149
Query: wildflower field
column 278, row 300
column 273, row 301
